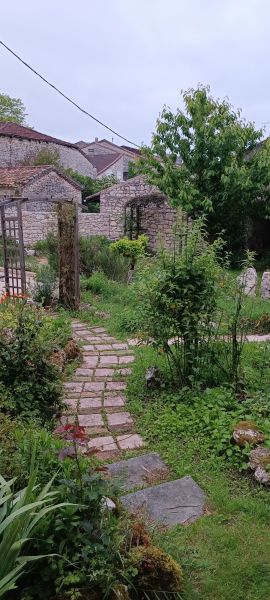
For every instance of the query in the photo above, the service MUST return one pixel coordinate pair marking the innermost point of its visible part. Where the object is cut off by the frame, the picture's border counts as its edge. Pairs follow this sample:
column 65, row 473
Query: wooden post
column 69, row 295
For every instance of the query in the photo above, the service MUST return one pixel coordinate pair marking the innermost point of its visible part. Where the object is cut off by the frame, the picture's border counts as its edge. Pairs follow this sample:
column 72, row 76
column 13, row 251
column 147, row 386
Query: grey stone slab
column 178, row 501
column 134, row 472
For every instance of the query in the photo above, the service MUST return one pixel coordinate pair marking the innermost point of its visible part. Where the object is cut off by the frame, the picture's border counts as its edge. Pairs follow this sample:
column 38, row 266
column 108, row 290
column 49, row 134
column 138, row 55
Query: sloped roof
column 14, row 130
column 10, row 177
column 103, row 161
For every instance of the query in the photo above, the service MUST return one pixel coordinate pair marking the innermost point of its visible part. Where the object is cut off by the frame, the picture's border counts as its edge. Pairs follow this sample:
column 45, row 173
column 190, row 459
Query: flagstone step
column 171, row 503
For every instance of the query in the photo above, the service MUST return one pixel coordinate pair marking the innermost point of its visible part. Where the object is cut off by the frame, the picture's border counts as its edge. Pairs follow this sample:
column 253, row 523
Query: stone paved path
column 96, row 395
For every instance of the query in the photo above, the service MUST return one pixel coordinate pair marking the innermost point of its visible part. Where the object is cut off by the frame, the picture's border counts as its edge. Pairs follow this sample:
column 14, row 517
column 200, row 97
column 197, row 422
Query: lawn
column 225, row 554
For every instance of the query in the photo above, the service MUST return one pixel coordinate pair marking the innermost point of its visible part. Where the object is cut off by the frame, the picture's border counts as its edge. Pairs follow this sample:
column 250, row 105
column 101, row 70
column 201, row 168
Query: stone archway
column 150, row 215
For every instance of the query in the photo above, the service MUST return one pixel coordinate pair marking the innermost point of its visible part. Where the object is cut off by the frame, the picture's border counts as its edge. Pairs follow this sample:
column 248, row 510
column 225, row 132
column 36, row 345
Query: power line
column 66, row 97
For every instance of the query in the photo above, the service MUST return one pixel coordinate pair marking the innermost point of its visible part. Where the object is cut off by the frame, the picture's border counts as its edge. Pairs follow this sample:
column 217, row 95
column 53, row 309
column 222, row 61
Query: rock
column 248, row 281
column 265, row 285
column 152, row 377
column 259, row 461
column 108, row 504
column 259, row 457
column 247, row 432
column 157, row 571
column 135, row 472
column 29, row 252
column 262, row 476
column 170, row 503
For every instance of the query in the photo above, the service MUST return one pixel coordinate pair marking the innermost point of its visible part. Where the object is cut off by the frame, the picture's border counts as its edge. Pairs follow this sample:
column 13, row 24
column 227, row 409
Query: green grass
column 225, row 554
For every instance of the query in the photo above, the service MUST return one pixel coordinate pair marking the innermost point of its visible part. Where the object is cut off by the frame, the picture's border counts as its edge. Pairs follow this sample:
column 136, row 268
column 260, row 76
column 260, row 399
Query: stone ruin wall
column 157, row 218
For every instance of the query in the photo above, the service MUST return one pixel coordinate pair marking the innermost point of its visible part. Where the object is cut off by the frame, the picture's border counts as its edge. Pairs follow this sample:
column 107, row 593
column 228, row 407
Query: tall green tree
column 204, row 158
column 12, row 109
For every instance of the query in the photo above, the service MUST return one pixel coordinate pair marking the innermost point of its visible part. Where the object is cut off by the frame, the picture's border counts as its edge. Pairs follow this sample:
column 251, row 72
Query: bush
column 132, row 249
column 98, row 284
column 31, row 383
column 95, row 255
column 45, row 286
column 178, row 294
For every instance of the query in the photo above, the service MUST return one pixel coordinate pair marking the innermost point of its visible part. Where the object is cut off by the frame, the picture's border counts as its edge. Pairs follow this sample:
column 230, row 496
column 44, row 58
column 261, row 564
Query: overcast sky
column 124, row 59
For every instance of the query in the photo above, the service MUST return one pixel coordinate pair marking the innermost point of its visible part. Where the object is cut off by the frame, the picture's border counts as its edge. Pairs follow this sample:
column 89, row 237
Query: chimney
column 96, row 139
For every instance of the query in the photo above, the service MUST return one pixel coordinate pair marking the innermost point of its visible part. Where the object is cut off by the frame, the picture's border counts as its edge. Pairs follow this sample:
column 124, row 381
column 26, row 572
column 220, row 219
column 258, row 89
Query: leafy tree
column 204, row 159
column 12, row 109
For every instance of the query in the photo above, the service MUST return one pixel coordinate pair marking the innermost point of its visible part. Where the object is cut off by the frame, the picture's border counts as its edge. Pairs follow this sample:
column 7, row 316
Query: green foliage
column 20, row 515
column 178, row 294
column 91, row 186
column 12, row 109
column 95, row 255
column 85, row 539
column 31, row 383
column 204, row 166
column 132, row 249
column 45, row 285
column 99, row 284
column 43, row 157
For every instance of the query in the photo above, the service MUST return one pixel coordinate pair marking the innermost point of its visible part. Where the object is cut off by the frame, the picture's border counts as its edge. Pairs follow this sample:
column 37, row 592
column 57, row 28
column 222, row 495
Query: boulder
column 265, row 285
column 247, row 432
column 259, row 462
column 152, row 377
column 248, row 281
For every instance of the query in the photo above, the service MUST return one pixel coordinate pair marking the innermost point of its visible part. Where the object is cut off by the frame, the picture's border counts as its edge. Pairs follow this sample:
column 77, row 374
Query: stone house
column 38, row 182
column 19, row 144
column 109, row 158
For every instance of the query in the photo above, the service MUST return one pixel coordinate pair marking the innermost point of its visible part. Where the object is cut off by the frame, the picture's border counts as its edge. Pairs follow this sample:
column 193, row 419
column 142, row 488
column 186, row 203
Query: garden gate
column 13, row 247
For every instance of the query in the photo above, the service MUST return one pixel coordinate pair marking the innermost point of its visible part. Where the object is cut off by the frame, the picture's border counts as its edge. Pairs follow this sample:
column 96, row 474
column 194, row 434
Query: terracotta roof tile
column 14, row 130
column 10, row 177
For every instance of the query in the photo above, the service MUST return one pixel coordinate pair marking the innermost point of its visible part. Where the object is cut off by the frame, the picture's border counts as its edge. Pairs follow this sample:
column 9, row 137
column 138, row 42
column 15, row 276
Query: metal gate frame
column 12, row 232
column 13, row 248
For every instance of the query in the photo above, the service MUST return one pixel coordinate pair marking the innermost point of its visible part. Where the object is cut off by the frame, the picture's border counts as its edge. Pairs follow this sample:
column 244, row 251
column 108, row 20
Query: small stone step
column 171, row 503
column 136, row 472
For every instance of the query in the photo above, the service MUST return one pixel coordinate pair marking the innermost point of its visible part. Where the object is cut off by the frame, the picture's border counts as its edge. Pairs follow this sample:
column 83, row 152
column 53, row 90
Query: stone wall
column 13, row 151
column 116, row 169
column 156, row 216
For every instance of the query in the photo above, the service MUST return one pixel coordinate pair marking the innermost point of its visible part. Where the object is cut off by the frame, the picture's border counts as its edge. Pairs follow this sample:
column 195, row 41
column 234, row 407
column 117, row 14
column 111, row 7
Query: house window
column 125, row 175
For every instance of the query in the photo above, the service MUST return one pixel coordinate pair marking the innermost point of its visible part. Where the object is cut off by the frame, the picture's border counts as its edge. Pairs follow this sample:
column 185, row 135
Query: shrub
column 99, row 284
column 84, row 538
column 31, row 382
column 178, row 293
column 94, row 256
column 44, row 286
column 132, row 249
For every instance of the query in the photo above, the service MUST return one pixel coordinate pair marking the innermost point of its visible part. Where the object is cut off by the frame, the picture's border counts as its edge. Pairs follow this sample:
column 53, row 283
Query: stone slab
column 120, row 421
column 134, row 471
column 103, row 444
column 172, row 503
column 130, row 441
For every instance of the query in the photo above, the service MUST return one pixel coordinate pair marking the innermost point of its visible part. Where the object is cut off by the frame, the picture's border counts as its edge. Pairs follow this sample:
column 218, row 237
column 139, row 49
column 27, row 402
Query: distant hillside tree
column 204, row 158
column 12, row 109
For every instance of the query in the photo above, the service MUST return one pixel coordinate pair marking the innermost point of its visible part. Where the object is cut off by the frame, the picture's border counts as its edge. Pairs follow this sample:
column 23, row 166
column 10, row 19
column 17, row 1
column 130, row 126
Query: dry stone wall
column 157, row 218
